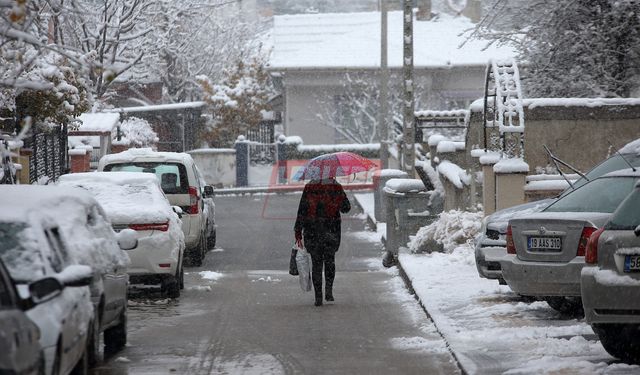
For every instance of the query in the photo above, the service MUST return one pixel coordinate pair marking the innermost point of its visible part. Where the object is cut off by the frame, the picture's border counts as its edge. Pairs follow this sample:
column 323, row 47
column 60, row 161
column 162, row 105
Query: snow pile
column 211, row 275
column 404, row 185
column 452, row 229
column 135, row 132
column 98, row 122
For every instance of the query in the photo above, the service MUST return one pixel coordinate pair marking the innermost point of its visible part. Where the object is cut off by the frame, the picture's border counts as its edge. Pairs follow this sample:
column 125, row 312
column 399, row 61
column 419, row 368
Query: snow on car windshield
column 18, row 250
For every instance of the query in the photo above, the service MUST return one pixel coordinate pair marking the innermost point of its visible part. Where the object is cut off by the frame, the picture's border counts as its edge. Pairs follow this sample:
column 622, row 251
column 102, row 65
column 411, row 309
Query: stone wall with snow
column 580, row 131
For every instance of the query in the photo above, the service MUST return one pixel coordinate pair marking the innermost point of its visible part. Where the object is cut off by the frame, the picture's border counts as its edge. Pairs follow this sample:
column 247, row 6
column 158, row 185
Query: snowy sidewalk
column 490, row 329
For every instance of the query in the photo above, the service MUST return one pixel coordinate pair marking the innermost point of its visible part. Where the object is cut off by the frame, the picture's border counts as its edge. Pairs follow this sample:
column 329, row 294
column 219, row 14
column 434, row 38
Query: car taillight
column 511, row 247
column 152, row 226
column 584, row 238
column 591, row 256
column 193, row 201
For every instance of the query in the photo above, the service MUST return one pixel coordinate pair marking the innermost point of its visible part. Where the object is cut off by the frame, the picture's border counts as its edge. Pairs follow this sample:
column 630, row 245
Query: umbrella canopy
column 333, row 165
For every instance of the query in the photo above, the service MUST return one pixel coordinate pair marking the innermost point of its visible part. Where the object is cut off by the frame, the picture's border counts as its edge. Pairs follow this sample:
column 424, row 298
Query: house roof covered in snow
column 98, row 122
column 345, row 40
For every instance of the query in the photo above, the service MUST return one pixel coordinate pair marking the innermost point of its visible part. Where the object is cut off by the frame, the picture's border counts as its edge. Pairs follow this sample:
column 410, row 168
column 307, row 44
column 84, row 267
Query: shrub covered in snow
column 452, row 229
column 135, row 132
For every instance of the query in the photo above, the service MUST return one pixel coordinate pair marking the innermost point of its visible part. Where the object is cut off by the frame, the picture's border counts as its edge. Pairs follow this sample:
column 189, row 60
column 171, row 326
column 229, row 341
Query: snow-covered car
column 179, row 180
column 610, row 281
column 134, row 200
column 19, row 335
column 545, row 251
column 33, row 246
column 490, row 244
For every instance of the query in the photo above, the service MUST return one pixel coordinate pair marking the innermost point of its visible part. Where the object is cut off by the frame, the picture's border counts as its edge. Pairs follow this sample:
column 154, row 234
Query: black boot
column 329, row 295
column 318, row 301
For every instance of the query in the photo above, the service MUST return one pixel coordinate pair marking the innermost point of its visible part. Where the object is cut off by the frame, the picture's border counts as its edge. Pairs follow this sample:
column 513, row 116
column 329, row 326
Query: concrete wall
column 309, row 95
column 218, row 166
column 580, row 135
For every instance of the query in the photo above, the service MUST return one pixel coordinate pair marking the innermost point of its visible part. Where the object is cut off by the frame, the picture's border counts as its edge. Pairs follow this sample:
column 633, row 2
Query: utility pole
column 408, row 131
column 383, row 116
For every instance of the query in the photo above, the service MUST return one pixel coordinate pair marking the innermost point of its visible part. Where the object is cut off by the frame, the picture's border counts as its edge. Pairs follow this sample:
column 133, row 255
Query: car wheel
column 171, row 287
column 181, row 277
column 211, row 241
column 93, row 342
column 55, row 368
column 566, row 305
column 82, row 367
column 196, row 254
column 115, row 338
column 620, row 340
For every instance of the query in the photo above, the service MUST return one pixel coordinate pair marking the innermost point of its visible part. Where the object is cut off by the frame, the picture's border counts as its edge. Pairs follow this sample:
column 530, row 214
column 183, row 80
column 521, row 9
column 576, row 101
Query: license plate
column 632, row 263
column 544, row 243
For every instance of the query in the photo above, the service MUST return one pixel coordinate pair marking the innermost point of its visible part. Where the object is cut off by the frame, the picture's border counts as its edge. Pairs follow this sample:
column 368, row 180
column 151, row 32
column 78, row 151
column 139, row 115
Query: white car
column 135, row 201
column 181, row 182
column 32, row 247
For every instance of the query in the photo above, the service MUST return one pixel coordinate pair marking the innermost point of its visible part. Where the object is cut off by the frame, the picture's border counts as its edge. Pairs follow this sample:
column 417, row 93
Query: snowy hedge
column 135, row 132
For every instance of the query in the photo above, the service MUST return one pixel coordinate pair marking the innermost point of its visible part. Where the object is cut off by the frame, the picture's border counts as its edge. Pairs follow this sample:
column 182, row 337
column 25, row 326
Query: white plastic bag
column 303, row 260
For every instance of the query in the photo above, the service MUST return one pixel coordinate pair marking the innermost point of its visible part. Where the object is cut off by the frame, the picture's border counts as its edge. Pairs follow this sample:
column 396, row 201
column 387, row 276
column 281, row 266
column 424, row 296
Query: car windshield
column 19, row 252
column 627, row 216
column 172, row 176
column 600, row 195
column 614, row 163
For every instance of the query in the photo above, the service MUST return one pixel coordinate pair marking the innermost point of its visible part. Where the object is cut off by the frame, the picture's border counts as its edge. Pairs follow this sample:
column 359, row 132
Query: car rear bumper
column 488, row 261
column 152, row 256
column 609, row 297
column 542, row 279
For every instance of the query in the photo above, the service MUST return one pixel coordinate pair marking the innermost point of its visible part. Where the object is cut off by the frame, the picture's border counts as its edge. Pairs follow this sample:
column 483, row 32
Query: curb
column 409, row 286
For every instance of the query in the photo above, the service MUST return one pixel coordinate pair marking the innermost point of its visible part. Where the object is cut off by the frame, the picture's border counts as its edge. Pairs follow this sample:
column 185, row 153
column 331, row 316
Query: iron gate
column 49, row 153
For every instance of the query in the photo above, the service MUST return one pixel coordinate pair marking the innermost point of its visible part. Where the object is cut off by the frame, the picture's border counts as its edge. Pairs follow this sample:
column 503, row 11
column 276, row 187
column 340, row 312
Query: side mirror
column 178, row 211
column 44, row 290
column 637, row 231
column 76, row 275
column 127, row 239
column 208, row 191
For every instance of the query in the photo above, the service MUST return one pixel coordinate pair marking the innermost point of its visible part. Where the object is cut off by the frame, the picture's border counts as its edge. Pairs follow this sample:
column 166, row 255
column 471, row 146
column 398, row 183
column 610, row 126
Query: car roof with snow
column 146, row 154
column 19, row 201
column 127, row 197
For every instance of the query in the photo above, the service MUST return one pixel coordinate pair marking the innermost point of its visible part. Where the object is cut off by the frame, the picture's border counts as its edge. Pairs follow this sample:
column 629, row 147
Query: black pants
column 318, row 260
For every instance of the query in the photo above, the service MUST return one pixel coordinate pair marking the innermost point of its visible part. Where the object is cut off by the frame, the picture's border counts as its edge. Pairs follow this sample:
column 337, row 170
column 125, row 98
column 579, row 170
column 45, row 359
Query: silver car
column 490, row 244
column 545, row 251
column 611, row 281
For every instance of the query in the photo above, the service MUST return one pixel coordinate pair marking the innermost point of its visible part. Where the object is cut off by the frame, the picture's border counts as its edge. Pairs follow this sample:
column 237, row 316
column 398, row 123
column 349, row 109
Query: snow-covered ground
column 492, row 330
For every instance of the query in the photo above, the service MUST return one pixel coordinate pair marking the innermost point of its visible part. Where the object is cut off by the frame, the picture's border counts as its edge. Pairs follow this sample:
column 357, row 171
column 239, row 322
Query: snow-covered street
column 242, row 313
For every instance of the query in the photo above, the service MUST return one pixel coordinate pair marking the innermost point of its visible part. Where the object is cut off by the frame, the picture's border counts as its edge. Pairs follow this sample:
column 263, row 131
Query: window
column 627, row 216
column 601, row 195
column 172, row 176
column 58, row 255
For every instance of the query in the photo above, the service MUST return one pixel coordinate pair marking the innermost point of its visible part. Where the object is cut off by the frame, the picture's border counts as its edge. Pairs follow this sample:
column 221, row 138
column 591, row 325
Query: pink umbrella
column 341, row 163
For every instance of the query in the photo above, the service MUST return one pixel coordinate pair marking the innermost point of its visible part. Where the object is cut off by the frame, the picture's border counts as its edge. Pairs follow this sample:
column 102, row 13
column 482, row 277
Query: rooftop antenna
column 623, row 158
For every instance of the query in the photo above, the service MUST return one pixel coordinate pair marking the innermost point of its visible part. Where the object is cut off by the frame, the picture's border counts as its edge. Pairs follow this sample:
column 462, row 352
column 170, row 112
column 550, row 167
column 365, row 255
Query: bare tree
column 571, row 47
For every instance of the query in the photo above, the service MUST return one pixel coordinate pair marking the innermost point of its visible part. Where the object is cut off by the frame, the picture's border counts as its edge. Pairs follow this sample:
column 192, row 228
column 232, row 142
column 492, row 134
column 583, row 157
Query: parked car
column 21, row 352
column 545, row 251
column 490, row 244
column 33, row 246
column 134, row 200
column 610, row 282
column 180, row 181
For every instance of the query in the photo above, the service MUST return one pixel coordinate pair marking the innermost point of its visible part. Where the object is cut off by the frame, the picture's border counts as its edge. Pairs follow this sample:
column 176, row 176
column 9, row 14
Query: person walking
column 318, row 222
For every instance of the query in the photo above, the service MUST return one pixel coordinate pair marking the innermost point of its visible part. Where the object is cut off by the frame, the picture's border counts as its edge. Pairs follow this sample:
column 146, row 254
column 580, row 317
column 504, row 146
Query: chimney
column 424, row 10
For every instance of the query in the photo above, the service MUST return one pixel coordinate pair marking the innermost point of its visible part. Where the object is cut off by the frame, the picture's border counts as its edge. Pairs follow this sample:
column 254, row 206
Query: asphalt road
column 249, row 316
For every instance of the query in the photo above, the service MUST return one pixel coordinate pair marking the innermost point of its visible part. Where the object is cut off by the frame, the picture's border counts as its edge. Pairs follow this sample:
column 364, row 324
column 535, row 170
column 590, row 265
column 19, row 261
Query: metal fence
column 49, row 153
column 262, row 149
